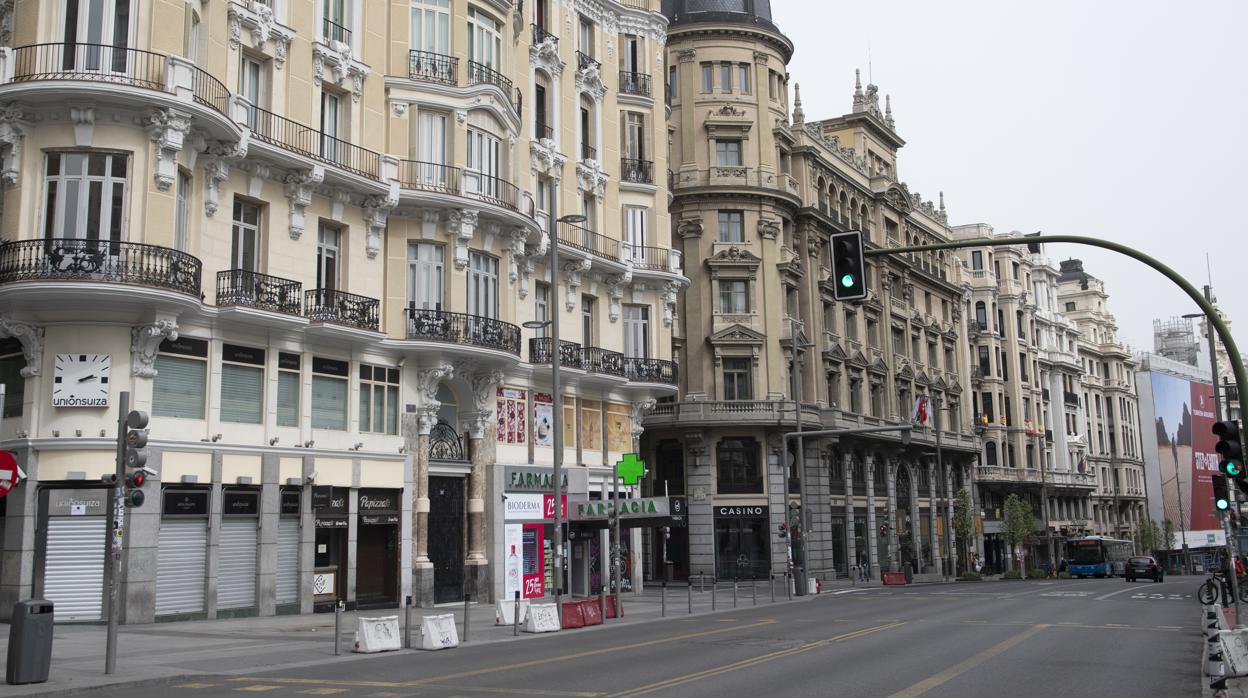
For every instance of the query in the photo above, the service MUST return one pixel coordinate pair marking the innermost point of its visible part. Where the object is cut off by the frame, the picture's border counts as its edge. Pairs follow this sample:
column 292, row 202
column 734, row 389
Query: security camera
column 311, row 479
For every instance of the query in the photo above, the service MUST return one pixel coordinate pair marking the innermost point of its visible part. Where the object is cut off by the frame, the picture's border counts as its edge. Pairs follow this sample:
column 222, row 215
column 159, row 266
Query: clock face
column 81, row 380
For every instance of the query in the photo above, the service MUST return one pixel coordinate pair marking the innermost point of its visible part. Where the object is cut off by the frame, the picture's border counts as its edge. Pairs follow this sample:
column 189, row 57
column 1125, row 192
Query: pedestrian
column 862, row 572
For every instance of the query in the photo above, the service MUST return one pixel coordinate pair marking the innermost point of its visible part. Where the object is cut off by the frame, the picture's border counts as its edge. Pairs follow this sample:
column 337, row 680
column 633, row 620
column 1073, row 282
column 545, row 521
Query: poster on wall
column 1185, row 451
column 619, row 428
column 535, row 562
column 543, row 419
column 511, row 410
column 513, row 548
column 591, row 424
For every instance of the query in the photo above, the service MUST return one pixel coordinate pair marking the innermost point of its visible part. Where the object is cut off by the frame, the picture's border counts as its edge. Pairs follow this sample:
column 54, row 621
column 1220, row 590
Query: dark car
column 1143, row 567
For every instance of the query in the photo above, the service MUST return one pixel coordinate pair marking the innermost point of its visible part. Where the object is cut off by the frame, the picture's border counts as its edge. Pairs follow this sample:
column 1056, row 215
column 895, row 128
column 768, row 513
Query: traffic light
column 849, row 281
column 883, row 529
column 136, row 457
column 1221, row 495
column 1230, row 452
column 783, row 531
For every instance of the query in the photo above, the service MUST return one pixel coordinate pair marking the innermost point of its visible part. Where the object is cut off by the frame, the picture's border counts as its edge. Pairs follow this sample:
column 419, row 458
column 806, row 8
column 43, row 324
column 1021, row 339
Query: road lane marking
column 196, row 685
column 323, row 691
column 962, row 667
column 1102, row 597
column 753, row 661
column 258, row 689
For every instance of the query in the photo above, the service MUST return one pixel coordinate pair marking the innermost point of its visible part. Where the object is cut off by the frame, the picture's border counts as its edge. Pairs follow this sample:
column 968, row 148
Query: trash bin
column 30, row 642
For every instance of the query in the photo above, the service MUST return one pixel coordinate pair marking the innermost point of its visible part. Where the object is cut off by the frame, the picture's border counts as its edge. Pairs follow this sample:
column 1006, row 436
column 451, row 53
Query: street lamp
column 556, row 396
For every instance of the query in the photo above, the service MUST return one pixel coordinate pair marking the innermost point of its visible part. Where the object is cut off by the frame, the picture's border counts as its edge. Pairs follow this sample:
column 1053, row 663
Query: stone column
column 933, row 508
column 416, row 430
column 894, row 545
column 701, row 515
column 482, row 446
column 851, row 551
column 916, row 530
column 872, row 548
column 950, row 534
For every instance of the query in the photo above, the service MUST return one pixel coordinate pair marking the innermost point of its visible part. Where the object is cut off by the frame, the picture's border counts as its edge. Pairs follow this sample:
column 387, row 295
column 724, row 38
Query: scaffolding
column 1176, row 339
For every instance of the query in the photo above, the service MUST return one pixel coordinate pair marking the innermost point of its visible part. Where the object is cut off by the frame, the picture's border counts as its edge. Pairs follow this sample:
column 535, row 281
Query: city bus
column 1097, row 555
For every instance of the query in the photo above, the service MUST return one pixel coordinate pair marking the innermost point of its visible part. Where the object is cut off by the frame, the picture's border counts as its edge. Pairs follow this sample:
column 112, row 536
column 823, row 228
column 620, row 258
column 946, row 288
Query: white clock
column 81, row 380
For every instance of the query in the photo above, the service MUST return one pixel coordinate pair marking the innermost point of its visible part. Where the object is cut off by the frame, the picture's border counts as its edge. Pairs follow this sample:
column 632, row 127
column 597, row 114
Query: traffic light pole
column 114, row 534
column 1207, row 307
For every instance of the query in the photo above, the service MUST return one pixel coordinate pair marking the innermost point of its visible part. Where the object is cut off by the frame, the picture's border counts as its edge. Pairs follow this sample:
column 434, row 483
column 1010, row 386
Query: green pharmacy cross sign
column 631, row 469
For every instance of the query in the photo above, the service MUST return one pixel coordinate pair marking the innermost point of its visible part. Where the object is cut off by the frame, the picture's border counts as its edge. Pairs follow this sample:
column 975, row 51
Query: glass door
column 636, row 331
column 424, row 276
column 431, row 150
column 635, row 233
column 483, row 164
column 329, row 126
column 97, row 36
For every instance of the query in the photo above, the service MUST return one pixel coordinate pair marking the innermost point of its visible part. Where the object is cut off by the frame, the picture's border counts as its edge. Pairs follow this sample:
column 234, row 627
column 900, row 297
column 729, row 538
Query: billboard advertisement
column 1186, row 457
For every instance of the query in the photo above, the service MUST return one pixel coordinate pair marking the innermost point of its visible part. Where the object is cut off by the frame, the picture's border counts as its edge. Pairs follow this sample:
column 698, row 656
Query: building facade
column 756, row 194
column 306, row 236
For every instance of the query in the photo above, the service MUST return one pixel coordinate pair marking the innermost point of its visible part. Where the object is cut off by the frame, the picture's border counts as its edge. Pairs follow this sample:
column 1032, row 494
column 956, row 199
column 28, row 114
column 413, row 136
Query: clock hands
column 84, row 379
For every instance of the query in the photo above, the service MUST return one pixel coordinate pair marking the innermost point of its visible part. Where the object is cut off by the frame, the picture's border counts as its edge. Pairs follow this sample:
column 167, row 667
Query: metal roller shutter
column 74, row 567
column 236, row 564
column 181, row 566
column 287, row 560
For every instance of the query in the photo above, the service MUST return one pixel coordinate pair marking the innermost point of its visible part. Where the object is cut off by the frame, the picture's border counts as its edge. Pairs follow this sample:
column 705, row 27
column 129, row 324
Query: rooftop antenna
column 870, row 73
column 1208, row 269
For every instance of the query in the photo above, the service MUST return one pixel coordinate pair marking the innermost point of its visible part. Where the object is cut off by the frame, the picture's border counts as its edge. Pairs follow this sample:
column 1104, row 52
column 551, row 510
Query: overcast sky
column 1114, row 119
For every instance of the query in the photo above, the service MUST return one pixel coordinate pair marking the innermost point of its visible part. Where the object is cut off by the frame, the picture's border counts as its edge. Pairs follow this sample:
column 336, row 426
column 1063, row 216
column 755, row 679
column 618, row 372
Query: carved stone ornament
column 689, row 228
column 6, row 22
column 637, row 412
column 462, row 224
column 167, row 128
column 545, row 55
column 768, row 229
column 12, row 135
column 218, row 155
column 546, row 159
column 257, row 17
column 427, row 381
column 573, row 271
column 31, row 338
column 145, row 342
column 590, row 178
column 615, row 294
column 299, row 186
column 342, row 64
column 376, row 212
column 669, row 302
column 589, row 81
column 515, row 243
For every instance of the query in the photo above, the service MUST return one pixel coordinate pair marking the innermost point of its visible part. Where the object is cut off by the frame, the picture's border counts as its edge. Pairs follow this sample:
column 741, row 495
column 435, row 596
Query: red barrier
column 611, row 598
column 591, row 612
column 891, row 578
column 572, row 615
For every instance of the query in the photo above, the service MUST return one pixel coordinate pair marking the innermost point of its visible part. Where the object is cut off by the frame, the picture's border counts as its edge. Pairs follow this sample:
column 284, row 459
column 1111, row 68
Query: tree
column 1019, row 527
column 1167, row 530
column 1148, row 538
column 963, row 524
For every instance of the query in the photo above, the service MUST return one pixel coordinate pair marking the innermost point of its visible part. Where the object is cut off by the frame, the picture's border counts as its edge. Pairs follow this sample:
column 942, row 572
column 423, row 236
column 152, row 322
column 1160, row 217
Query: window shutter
column 329, row 403
column 242, row 393
column 287, row 399
column 178, row 390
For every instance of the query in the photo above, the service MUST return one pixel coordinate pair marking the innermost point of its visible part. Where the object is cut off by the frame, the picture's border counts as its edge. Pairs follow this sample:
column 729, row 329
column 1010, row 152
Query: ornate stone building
column 755, row 196
column 308, row 234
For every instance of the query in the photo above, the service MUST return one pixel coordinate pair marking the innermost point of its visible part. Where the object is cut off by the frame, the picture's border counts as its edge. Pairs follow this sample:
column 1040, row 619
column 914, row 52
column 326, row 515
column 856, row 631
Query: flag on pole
column 919, row 414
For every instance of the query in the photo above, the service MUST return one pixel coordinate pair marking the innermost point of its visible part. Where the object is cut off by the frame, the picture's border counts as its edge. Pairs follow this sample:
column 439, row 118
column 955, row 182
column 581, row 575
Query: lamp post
column 555, row 396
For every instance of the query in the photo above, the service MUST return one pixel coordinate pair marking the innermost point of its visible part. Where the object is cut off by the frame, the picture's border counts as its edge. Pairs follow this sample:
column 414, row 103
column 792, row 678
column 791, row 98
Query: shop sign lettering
column 629, row 508
column 738, row 512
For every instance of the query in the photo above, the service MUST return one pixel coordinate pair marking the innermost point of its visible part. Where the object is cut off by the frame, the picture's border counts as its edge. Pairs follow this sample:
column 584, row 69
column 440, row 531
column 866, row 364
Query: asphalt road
column 1057, row 638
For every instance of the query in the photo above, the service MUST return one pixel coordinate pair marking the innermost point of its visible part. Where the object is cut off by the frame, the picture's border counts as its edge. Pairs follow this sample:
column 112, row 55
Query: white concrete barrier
column 377, row 634
column 505, row 610
column 542, row 618
column 438, row 632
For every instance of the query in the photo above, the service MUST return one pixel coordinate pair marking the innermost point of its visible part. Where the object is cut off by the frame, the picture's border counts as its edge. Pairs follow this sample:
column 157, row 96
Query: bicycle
column 1210, row 592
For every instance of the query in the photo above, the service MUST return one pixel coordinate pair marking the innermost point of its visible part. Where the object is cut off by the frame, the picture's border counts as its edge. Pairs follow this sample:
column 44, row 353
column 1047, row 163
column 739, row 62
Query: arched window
column 990, row 453
column 823, row 195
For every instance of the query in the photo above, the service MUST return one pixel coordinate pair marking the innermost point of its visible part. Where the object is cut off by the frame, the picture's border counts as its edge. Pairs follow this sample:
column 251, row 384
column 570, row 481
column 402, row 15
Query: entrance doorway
column 377, row 570
column 446, row 537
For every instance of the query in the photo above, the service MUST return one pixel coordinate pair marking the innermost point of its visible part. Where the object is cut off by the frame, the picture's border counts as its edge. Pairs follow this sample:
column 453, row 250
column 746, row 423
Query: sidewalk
column 164, row 652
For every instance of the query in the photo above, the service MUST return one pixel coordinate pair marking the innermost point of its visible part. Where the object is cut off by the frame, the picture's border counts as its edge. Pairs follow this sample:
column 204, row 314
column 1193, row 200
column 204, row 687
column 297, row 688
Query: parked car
column 1143, row 567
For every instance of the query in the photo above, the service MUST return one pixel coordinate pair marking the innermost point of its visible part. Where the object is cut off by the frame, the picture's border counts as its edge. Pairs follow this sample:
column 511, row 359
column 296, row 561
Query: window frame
column 741, row 386
column 728, row 220
column 369, row 390
column 738, row 466
column 112, row 205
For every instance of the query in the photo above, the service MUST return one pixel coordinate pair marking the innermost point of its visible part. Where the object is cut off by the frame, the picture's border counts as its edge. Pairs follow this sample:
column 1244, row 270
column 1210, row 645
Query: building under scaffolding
column 1176, row 340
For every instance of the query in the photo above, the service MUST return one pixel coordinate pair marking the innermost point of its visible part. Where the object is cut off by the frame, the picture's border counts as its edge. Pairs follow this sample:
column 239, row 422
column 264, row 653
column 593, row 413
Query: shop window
column 738, row 466
column 329, row 394
column 180, row 387
column 379, row 399
column 242, row 384
column 289, row 385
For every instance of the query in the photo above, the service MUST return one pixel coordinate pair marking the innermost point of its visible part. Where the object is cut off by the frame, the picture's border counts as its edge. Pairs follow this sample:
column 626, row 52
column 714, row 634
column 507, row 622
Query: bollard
column 689, row 592
column 338, row 628
column 754, row 590
column 407, row 623
column 515, row 616
column 734, row 593
column 788, row 587
column 663, row 603
column 466, row 601
column 602, row 603
column 714, row 586
column 701, row 582
column 771, row 578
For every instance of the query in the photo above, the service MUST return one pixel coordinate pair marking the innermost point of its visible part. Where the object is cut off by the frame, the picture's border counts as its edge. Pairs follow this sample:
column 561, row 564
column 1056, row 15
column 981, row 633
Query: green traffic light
column 1221, row 504
column 847, row 280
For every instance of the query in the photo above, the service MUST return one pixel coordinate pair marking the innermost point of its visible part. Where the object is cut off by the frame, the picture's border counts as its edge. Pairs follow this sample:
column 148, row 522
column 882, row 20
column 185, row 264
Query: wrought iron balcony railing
column 540, row 35
column 584, row 60
column 632, row 170
column 97, row 62
column 249, row 289
column 432, row 67
column 599, row 360
column 461, row 328
column 307, row 141
column 541, row 130
column 479, row 73
column 587, row 240
column 651, row 370
column 341, row 308
column 108, row 261
column 588, row 152
column 652, row 258
column 436, row 177
column 334, row 31
column 569, row 352
column 634, row 83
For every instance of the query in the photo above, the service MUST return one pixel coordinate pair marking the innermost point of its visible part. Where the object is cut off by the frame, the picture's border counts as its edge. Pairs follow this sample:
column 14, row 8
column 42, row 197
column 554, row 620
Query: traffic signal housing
column 1221, row 495
column 1230, row 451
column 135, row 458
column 849, row 281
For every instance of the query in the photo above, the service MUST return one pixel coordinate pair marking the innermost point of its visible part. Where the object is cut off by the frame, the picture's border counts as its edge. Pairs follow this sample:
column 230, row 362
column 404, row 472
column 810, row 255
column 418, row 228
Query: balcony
column 249, row 289
column 605, row 361
column 649, row 258
column 543, row 131
column 65, row 259
column 461, row 328
column 309, row 142
column 729, row 176
column 444, row 179
column 569, row 352
column 634, row 83
column 651, row 370
column 588, row 152
column 586, row 240
column 1070, row 398
column 730, row 412
column 432, row 67
column 541, row 36
column 333, row 31
column 585, row 61
column 481, row 74
column 640, row 171
column 341, row 308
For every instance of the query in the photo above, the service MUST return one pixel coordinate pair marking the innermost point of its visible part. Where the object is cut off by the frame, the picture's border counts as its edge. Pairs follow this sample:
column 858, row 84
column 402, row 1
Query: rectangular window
column 587, row 321
column 737, row 379
column 635, row 233
column 673, row 82
column 637, row 331
column 379, row 399
column 634, row 136
column 772, row 84
column 245, row 241
column 977, row 260
column 12, row 361
column 541, row 309
column 289, row 382
column 182, row 213
column 431, row 26
column 707, row 77
column 743, row 78
column 424, row 276
column 329, row 394
column 725, row 77
column 251, row 87
column 431, row 149
column 242, row 384
column 728, row 153
column 737, row 466
column 731, row 226
column 484, row 163
column 485, row 40
column 734, row 297
column 328, row 236
column 335, row 25
column 180, row 387
column 482, row 285
column 84, row 196
column 331, row 114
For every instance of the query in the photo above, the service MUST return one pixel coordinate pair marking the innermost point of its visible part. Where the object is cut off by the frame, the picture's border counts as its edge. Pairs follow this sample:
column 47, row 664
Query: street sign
column 10, row 474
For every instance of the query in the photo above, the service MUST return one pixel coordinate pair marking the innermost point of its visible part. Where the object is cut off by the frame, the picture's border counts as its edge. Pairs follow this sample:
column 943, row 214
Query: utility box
column 30, row 642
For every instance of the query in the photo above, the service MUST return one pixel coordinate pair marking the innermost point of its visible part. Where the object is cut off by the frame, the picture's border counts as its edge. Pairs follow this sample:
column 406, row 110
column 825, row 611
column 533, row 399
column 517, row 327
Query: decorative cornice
column 167, row 128
column 31, row 338
column 258, row 18
column 299, row 187
column 145, row 342
column 337, row 56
